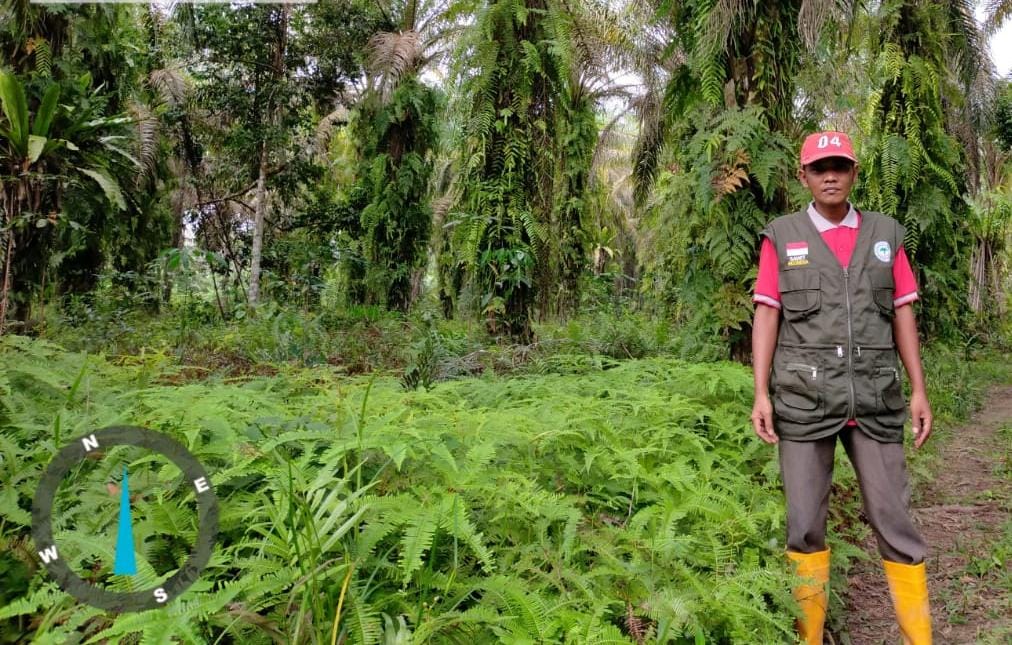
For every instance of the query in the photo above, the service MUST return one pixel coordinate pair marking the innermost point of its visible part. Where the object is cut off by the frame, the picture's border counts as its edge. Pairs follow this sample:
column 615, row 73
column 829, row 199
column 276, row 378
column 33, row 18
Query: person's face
column 829, row 179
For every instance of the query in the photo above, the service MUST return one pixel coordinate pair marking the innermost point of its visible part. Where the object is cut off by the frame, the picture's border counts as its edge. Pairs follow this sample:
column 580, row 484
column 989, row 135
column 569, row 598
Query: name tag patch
column 797, row 254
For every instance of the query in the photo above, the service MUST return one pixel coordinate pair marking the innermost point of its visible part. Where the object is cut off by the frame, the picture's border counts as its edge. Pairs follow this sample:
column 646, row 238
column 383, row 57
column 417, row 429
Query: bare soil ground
column 961, row 510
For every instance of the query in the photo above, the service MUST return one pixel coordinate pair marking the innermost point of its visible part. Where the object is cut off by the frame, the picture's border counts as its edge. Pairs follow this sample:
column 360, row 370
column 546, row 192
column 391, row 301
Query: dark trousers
column 806, row 468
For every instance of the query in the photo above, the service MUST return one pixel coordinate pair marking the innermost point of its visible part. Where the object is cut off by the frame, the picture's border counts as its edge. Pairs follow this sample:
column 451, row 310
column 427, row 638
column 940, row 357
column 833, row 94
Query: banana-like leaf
column 47, row 110
column 55, row 144
column 36, row 144
column 15, row 108
column 109, row 186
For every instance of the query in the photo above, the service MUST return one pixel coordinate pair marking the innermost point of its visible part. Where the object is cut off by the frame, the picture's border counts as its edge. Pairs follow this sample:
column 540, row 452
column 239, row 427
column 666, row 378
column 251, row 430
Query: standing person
column 833, row 298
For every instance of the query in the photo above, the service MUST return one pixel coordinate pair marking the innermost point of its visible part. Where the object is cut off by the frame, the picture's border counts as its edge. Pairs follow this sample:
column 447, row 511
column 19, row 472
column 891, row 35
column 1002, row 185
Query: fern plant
column 618, row 502
column 732, row 170
column 914, row 168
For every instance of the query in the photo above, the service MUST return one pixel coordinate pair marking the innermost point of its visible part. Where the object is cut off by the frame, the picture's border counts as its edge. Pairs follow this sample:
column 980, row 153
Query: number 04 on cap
column 826, row 144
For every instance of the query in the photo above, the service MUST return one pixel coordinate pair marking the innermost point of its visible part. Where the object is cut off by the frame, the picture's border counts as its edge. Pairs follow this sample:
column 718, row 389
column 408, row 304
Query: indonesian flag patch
column 797, row 253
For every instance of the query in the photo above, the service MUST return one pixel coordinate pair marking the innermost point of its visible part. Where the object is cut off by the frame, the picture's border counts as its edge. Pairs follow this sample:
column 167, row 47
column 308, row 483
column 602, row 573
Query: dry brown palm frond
column 441, row 206
column 722, row 19
column 813, row 17
column 995, row 161
column 148, row 128
column 395, row 54
column 171, row 85
column 325, row 129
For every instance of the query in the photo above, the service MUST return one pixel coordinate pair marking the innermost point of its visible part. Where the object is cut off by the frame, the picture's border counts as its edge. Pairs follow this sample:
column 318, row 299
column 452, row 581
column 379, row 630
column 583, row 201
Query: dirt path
column 961, row 512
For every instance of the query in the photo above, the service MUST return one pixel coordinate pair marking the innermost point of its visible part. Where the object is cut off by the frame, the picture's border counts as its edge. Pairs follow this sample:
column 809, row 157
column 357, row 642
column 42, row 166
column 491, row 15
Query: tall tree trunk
column 258, row 229
column 8, row 252
column 9, row 201
column 277, row 70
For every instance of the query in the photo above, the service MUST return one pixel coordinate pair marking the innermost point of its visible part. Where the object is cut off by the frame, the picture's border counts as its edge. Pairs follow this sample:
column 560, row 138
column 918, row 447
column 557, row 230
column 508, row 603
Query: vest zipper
column 850, row 345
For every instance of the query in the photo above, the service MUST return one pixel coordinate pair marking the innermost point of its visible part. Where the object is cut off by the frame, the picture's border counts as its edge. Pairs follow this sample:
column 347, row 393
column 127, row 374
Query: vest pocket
column 887, row 383
column 797, row 394
column 892, row 408
column 800, row 294
column 882, row 293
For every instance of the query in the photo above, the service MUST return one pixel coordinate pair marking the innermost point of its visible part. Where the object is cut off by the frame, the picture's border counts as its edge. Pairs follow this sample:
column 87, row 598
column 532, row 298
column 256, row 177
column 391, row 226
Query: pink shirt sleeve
column 903, row 277
column 767, row 287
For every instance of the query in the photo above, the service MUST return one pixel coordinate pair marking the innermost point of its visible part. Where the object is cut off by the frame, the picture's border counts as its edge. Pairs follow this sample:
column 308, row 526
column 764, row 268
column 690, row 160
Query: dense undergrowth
column 545, row 493
column 356, row 339
column 596, row 502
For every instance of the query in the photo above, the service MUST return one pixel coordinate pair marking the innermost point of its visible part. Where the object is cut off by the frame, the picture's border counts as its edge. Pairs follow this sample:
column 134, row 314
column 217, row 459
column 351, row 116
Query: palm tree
column 394, row 125
column 514, row 66
column 604, row 46
column 996, row 14
column 718, row 120
column 535, row 264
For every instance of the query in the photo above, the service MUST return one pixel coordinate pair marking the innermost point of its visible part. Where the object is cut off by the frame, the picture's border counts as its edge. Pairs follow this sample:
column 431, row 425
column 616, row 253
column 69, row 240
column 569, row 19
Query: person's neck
column 834, row 214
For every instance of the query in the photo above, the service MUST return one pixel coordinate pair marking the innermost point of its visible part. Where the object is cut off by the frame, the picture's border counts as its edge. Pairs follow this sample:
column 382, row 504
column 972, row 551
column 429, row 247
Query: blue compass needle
column 125, row 563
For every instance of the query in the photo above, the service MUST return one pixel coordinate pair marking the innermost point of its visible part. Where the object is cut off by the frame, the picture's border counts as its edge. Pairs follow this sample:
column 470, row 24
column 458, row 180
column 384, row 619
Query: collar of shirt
column 822, row 224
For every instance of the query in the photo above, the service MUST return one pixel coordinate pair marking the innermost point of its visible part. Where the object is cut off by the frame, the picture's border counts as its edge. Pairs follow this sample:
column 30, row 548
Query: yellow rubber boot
column 908, row 584
column 812, row 596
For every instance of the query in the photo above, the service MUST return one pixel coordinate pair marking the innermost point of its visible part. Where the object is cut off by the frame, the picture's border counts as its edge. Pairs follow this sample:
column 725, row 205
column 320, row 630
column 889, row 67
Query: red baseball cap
column 826, row 144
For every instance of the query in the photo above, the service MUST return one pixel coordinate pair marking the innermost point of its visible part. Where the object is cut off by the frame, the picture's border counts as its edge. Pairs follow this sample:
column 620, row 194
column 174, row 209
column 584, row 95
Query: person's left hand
column 920, row 414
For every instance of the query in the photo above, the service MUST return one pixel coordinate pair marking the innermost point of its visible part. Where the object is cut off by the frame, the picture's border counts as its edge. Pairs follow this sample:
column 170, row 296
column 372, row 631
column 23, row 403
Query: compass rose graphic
column 168, row 480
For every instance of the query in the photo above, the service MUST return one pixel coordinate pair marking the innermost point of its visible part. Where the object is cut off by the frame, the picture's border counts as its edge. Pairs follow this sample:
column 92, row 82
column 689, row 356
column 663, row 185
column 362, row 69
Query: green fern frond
column 418, row 535
column 363, row 620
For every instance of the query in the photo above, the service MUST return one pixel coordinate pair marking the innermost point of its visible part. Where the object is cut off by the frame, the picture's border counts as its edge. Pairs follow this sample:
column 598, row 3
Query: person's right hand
column 762, row 418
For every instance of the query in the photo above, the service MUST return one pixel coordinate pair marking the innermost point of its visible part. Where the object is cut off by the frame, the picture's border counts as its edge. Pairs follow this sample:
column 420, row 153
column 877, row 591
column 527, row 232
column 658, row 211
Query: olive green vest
column 835, row 357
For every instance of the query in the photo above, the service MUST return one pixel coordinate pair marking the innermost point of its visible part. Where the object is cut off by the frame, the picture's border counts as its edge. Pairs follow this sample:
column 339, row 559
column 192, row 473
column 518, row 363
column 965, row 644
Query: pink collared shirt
column 841, row 239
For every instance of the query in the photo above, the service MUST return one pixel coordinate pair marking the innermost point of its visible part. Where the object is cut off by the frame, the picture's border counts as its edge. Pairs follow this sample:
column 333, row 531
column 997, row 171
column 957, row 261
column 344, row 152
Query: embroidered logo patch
column 883, row 251
column 797, row 254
